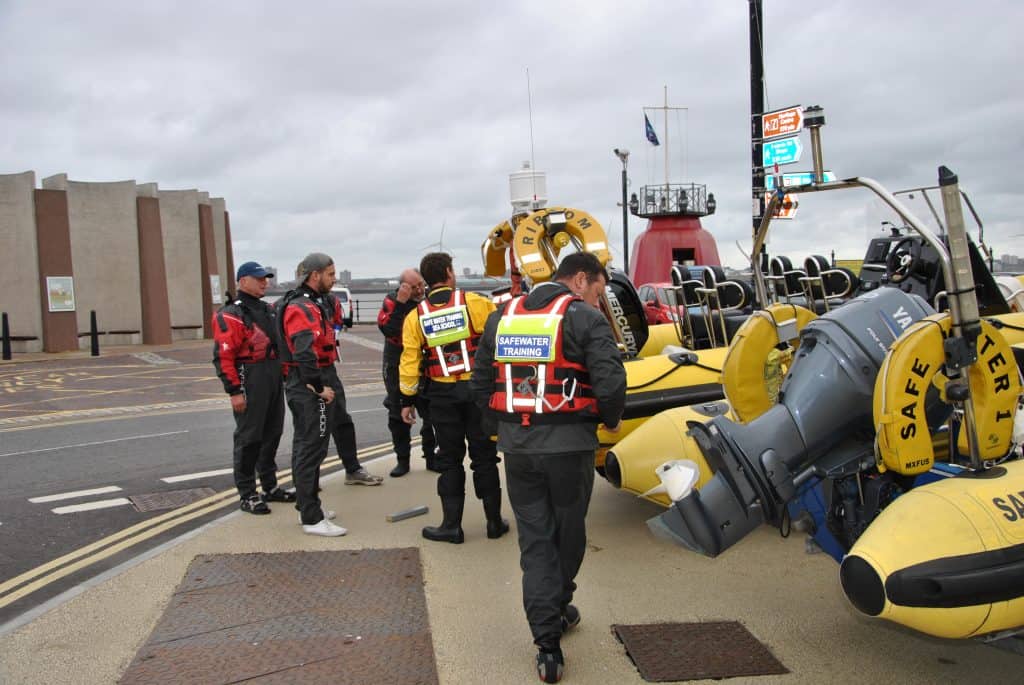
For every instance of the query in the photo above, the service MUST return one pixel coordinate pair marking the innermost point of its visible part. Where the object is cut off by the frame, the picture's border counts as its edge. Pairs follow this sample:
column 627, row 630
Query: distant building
column 466, row 271
column 345, row 276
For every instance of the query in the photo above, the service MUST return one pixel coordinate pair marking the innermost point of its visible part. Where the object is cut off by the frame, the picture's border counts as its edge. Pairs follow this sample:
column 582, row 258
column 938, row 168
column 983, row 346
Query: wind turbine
column 440, row 242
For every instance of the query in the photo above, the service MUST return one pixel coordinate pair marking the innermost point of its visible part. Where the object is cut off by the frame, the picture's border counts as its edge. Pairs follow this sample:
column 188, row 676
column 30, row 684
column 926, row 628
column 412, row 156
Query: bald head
column 411, row 286
column 410, row 276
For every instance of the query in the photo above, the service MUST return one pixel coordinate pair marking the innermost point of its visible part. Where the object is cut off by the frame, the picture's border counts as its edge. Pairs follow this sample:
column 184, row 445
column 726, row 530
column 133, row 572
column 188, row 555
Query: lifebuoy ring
column 916, row 361
column 758, row 358
column 493, row 250
column 535, row 250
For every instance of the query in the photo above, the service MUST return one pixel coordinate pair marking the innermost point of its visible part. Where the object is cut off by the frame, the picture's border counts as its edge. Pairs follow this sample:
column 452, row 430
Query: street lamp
column 623, row 156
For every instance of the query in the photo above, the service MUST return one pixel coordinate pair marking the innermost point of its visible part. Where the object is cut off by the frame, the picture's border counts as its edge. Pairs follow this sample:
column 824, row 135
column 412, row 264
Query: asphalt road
column 79, row 438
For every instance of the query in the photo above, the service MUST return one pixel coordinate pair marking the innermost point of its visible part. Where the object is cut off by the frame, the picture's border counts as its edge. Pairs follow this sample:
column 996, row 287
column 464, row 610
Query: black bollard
column 5, row 330
column 94, row 335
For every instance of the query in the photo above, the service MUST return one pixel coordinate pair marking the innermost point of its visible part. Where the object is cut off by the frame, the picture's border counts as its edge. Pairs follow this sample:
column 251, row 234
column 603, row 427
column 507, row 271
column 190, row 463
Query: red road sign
column 786, row 208
column 782, row 122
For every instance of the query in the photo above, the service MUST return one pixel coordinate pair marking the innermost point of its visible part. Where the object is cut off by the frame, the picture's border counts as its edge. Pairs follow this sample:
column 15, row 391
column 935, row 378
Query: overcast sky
column 360, row 129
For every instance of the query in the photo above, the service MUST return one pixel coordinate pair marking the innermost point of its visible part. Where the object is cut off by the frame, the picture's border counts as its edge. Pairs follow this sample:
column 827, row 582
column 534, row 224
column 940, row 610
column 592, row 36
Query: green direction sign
column 785, row 151
column 796, row 178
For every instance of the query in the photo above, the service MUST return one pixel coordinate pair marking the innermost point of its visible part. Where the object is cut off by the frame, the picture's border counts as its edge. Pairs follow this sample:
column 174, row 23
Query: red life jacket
column 449, row 358
column 315, row 319
column 552, row 386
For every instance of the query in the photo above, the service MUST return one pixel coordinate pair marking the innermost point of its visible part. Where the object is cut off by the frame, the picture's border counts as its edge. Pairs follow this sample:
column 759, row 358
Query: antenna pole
column 666, row 139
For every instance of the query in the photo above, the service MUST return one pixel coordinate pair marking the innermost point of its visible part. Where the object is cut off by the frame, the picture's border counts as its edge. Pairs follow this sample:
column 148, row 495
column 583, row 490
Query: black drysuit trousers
column 550, row 495
column 311, row 423
column 401, row 432
column 457, row 421
column 258, row 429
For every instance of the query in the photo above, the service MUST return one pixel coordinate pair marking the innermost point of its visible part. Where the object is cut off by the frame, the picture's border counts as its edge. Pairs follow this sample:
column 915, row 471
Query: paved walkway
column 789, row 600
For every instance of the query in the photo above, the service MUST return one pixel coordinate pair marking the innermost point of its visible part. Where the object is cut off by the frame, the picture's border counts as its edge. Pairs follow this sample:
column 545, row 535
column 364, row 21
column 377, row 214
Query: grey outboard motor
column 822, row 422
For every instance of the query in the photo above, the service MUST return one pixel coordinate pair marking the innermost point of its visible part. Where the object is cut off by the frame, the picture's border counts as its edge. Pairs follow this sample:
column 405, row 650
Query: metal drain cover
column 347, row 617
column 666, row 652
column 171, row 499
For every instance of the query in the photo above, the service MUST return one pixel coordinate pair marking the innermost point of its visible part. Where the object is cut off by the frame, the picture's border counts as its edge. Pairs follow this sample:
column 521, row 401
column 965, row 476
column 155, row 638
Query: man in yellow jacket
column 439, row 341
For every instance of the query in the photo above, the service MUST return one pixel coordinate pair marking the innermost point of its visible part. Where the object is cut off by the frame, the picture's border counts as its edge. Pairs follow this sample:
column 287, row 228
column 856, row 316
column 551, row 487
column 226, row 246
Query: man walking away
column 246, row 359
column 394, row 309
column 307, row 352
column 548, row 369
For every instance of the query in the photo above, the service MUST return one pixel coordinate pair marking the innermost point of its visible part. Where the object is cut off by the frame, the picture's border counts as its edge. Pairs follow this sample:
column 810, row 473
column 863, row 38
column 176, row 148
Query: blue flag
column 651, row 135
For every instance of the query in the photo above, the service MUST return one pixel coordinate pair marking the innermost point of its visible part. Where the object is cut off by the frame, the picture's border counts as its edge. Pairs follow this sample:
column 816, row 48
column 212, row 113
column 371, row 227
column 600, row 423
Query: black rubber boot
column 401, row 468
column 450, row 529
column 496, row 526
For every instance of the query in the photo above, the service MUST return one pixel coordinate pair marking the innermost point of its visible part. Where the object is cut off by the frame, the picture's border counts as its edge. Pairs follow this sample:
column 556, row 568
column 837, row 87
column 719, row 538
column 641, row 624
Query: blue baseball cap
column 252, row 269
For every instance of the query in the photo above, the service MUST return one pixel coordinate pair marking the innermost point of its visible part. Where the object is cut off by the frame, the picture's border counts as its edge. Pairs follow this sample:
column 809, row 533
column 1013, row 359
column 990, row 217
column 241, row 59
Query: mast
column 756, row 109
column 666, row 137
column 664, row 141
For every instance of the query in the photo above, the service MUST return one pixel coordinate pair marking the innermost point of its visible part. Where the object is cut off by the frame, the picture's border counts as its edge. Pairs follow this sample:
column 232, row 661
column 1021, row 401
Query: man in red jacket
column 396, row 306
column 307, row 352
column 246, row 359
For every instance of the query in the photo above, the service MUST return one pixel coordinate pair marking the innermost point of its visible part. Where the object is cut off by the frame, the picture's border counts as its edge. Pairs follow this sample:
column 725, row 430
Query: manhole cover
column 171, row 499
column 347, row 617
column 665, row 652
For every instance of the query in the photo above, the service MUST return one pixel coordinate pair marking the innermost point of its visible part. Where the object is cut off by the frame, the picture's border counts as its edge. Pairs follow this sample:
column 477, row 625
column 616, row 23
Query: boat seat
column 725, row 304
column 784, row 279
column 826, row 285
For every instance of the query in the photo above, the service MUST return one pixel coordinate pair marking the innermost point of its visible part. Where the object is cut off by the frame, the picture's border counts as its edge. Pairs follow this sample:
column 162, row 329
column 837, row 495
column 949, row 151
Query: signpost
column 784, row 151
column 796, row 178
column 787, row 208
column 782, row 122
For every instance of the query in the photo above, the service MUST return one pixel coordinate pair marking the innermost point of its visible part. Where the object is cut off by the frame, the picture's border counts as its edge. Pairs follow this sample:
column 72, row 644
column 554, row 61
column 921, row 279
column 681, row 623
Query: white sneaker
column 329, row 515
column 325, row 529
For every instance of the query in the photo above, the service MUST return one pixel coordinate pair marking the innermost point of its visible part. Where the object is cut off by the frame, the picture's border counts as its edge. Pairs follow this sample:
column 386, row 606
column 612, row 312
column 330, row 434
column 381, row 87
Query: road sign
column 796, row 178
column 782, row 122
column 786, row 208
column 784, row 151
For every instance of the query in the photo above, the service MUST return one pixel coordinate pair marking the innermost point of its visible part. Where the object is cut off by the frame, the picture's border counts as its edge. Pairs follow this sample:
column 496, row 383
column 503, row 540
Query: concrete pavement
column 789, row 600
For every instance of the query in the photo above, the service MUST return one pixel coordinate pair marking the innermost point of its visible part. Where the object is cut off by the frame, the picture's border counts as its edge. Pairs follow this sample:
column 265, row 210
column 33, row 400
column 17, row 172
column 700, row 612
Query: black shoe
column 279, row 495
column 570, row 618
column 254, row 505
column 550, row 666
column 400, row 469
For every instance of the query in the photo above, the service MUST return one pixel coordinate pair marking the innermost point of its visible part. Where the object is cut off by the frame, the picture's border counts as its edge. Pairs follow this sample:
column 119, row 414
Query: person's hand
column 613, row 429
column 404, row 292
column 238, row 403
column 327, row 395
column 409, row 415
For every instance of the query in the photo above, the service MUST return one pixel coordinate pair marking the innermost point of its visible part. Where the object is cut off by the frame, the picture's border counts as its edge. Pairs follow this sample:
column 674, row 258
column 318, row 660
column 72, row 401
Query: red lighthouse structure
column 674, row 234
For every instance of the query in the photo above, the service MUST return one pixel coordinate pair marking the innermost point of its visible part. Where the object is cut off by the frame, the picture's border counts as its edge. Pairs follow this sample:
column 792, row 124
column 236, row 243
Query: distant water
column 365, row 305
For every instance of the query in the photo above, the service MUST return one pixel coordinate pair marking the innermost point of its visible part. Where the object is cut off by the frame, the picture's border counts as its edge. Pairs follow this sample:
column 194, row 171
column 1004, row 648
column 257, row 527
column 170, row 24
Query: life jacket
column 258, row 345
column 323, row 344
column 533, row 376
column 450, row 341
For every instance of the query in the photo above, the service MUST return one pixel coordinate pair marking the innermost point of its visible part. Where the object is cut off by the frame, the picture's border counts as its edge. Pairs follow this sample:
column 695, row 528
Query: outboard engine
column 626, row 312
column 821, row 426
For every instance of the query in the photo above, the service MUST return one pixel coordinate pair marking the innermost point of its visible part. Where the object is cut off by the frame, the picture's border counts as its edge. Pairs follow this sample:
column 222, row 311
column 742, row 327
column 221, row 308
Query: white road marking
column 89, row 506
column 194, row 476
column 98, row 442
column 77, row 493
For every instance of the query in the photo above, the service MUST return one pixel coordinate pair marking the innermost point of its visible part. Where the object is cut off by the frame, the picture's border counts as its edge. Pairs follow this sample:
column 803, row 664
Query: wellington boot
column 401, row 468
column 450, row 529
column 496, row 526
